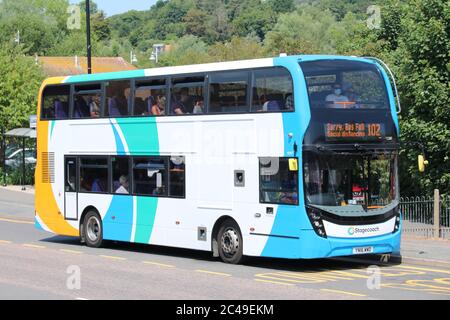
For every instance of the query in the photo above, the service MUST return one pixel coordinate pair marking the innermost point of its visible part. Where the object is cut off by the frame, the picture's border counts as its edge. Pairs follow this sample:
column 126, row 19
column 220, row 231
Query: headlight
column 315, row 218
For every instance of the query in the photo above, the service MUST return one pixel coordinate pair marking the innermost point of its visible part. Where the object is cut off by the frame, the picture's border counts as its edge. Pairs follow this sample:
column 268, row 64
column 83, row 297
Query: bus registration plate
column 362, row 250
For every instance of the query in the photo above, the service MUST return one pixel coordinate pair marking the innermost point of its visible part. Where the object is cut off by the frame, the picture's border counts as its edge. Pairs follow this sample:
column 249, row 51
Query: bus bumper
column 311, row 246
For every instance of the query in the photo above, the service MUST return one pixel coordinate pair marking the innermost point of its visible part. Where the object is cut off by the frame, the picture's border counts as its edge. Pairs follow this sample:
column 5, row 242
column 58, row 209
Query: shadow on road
column 297, row 265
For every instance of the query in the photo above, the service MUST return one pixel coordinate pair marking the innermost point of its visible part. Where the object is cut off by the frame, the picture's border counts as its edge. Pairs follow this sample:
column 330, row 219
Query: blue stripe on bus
column 120, row 149
column 118, row 221
column 289, row 220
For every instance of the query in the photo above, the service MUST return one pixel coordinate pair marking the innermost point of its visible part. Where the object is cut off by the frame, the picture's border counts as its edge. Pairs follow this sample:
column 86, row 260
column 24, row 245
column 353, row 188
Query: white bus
column 291, row 157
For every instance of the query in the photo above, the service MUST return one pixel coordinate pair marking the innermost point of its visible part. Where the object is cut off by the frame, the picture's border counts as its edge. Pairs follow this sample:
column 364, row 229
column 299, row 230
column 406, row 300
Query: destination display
column 354, row 131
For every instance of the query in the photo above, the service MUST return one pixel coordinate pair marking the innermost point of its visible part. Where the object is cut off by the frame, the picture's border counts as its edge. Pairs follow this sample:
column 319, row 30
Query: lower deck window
column 94, row 175
column 150, row 176
column 278, row 181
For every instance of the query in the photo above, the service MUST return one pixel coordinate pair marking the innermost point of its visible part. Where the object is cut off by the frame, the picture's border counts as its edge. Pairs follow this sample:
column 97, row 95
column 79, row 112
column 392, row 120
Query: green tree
column 20, row 79
column 423, row 64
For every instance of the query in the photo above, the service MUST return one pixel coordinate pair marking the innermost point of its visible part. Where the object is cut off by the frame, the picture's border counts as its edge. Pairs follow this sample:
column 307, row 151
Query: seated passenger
column 199, row 105
column 289, row 105
column 160, row 107
column 94, row 106
column 336, row 99
column 81, row 109
column 352, row 96
column 124, row 185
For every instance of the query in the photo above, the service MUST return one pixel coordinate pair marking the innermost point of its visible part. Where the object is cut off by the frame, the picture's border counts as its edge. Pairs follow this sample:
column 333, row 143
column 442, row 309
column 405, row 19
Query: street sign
column 33, row 121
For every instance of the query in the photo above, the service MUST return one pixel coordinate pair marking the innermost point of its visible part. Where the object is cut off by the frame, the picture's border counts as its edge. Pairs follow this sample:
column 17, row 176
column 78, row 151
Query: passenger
column 124, row 185
column 289, row 102
column 336, row 99
column 185, row 104
column 352, row 96
column 199, row 106
column 160, row 107
column 94, row 106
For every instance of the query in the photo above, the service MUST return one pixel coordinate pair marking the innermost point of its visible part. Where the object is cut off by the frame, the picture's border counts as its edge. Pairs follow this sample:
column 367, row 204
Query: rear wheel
column 229, row 239
column 93, row 230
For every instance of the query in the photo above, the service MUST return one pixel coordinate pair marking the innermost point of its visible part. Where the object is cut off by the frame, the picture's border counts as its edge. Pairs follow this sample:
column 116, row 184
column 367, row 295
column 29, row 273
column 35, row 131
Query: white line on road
column 5, row 242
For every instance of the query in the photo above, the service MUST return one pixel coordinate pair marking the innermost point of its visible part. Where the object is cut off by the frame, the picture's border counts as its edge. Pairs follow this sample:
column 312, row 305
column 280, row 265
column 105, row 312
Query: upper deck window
column 344, row 84
column 117, row 99
column 272, row 90
column 228, row 92
column 87, row 101
column 55, row 103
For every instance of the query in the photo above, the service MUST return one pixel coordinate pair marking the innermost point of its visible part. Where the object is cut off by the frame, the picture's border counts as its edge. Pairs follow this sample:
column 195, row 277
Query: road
column 38, row 265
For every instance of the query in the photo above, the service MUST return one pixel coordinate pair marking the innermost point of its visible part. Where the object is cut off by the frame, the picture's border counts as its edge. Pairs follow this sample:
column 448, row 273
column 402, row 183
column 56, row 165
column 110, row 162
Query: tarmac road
column 38, row 265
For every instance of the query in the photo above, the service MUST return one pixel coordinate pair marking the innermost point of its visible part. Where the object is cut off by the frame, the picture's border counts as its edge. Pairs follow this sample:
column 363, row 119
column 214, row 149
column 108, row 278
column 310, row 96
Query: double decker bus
column 289, row 157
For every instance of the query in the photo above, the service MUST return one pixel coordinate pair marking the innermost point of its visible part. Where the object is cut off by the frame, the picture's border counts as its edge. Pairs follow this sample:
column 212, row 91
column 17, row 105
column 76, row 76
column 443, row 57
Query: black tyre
column 229, row 239
column 93, row 230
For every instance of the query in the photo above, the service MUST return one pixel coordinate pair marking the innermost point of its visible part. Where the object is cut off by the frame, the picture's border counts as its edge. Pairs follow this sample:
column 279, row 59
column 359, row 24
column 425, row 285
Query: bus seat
column 97, row 186
column 60, row 110
column 113, row 110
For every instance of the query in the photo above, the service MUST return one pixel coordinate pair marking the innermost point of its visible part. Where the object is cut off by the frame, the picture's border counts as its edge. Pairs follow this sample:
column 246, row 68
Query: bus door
column 70, row 189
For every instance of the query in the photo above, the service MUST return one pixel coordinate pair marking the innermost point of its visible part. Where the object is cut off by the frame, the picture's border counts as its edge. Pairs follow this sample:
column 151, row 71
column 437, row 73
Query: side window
column 228, row 92
column 55, row 103
column 187, row 95
column 150, row 98
column 272, row 90
column 71, row 175
column 120, row 175
column 94, row 175
column 278, row 181
column 117, row 99
column 177, row 184
column 87, row 101
column 150, row 176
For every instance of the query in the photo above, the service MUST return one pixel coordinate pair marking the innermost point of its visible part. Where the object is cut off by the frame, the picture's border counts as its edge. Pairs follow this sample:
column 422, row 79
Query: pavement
column 39, row 265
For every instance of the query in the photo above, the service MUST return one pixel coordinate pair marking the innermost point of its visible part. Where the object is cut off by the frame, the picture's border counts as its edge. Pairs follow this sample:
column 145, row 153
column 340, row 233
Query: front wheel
column 230, row 242
column 93, row 230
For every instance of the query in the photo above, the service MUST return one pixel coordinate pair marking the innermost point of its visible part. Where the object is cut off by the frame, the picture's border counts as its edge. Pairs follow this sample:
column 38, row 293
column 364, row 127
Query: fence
column 427, row 217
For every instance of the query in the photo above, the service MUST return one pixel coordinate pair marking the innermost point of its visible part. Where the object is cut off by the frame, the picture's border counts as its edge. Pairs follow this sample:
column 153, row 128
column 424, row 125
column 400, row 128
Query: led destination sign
column 354, row 131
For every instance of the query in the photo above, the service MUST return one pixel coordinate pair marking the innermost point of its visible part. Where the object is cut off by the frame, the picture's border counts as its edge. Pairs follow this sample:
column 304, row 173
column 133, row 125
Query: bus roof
column 197, row 68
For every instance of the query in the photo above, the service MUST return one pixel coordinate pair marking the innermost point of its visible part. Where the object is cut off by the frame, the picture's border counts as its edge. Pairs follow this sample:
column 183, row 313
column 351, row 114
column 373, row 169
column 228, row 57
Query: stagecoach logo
column 352, row 230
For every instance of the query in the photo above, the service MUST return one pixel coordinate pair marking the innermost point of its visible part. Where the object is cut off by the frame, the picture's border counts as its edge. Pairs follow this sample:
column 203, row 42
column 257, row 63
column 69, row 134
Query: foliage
column 20, row 79
column 413, row 39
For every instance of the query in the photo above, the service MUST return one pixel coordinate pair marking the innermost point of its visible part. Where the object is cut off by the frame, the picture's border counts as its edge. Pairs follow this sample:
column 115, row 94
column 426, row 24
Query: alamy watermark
column 73, row 281
column 74, row 19
column 374, row 19
column 374, row 279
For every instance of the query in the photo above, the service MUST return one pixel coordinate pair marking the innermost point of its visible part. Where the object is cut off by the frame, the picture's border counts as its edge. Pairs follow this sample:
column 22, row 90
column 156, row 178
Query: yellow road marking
column 158, row 264
column 113, row 257
column 33, row 246
column 275, row 282
column 5, row 242
column 277, row 277
column 425, row 269
column 345, row 292
column 16, row 221
column 70, row 251
column 214, row 273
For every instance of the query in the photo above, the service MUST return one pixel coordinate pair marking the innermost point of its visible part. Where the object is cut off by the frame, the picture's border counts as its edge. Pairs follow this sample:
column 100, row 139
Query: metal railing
column 426, row 216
